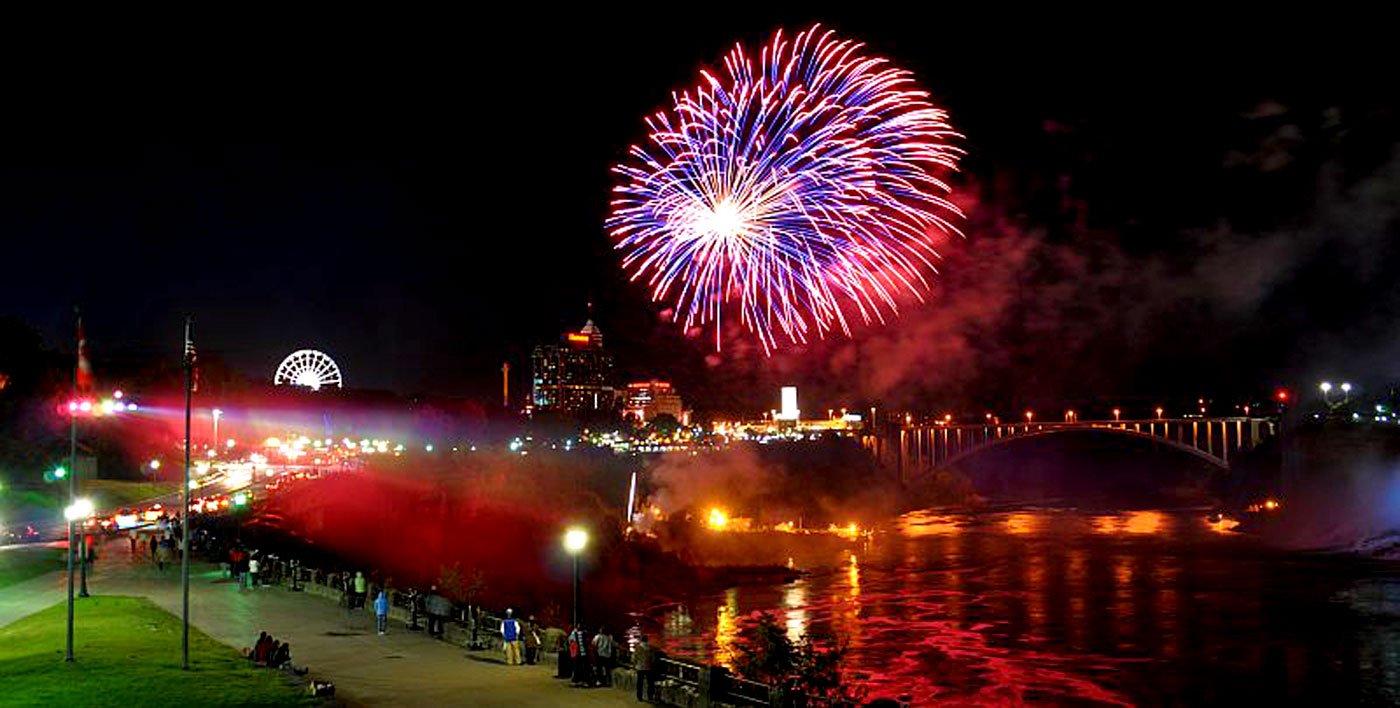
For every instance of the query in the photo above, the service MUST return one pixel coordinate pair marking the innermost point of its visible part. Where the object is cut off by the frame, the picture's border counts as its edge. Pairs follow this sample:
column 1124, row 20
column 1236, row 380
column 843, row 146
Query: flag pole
column 185, row 507
column 73, row 480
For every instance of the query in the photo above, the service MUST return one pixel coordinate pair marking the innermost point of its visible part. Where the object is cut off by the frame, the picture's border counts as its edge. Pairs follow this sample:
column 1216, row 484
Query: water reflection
column 727, row 629
column 794, row 604
column 1062, row 607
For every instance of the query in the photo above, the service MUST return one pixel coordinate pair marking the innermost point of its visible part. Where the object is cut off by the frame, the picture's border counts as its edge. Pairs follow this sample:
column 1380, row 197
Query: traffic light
column 240, row 499
column 60, row 472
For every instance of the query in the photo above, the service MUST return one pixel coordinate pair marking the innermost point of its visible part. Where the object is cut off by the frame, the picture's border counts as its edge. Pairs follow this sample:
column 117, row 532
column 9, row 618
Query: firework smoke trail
column 805, row 186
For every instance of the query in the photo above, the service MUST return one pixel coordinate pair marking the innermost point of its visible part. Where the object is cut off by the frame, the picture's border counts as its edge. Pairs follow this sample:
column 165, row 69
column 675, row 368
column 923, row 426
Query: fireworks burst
column 805, row 187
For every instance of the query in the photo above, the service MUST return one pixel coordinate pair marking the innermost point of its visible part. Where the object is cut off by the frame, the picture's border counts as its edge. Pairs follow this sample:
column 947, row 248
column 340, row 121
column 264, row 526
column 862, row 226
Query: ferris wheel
column 309, row 368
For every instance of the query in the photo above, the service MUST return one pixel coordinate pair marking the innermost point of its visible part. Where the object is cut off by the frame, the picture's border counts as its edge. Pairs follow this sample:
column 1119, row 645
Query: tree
column 809, row 668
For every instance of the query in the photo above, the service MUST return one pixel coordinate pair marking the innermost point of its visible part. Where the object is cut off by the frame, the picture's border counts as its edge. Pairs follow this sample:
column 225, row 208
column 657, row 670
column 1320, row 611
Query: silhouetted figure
column 643, row 661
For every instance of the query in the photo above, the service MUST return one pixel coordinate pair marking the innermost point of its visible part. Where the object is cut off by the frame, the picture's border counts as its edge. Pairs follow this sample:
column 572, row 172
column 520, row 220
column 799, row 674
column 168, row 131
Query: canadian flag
column 83, row 377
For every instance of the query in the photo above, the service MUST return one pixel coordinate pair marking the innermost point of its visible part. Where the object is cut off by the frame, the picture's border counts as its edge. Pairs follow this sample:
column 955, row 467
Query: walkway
column 401, row 668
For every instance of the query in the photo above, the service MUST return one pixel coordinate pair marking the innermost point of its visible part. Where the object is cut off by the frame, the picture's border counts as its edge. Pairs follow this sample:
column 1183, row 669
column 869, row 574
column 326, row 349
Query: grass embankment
column 20, row 564
column 128, row 653
column 107, row 493
column 19, row 505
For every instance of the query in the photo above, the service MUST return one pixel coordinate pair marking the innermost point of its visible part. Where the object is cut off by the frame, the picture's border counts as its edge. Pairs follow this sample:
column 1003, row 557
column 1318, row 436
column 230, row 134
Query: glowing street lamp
column 1030, row 415
column 1116, row 414
column 1159, row 412
column 79, row 510
column 575, row 540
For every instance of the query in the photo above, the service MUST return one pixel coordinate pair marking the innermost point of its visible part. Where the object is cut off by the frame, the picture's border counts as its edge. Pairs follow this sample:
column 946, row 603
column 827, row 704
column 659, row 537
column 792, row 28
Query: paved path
column 24, row 599
column 401, row 668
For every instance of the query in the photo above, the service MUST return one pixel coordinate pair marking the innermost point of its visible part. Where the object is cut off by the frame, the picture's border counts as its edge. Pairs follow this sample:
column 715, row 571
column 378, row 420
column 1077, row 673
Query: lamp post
column 575, row 540
column 78, row 509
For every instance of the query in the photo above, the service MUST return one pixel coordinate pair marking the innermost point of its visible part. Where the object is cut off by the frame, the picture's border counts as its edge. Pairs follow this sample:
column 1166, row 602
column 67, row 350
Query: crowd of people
column 586, row 657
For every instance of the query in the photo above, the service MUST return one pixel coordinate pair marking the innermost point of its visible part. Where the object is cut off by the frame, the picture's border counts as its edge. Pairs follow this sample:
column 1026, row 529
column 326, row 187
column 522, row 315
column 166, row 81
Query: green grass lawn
column 20, row 564
column 128, row 654
column 106, row 493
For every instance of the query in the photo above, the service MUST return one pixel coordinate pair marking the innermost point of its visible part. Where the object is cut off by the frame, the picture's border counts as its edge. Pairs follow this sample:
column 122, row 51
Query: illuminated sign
column 580, row 338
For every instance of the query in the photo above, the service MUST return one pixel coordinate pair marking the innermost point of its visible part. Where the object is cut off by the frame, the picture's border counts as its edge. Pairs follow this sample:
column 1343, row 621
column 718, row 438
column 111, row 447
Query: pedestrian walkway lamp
column 80, row 509
column 575, row 540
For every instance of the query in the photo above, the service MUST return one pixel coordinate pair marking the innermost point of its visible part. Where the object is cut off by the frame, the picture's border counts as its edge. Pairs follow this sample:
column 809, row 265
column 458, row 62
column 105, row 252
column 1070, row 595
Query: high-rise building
column 574, row 376
column 648, row 399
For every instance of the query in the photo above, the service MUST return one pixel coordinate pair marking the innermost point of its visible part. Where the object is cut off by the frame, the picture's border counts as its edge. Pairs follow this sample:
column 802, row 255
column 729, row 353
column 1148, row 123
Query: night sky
column 1185, row 202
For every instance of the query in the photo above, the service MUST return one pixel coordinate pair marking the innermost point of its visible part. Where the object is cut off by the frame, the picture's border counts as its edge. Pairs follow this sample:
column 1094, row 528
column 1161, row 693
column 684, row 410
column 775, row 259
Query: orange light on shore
column 717, row 520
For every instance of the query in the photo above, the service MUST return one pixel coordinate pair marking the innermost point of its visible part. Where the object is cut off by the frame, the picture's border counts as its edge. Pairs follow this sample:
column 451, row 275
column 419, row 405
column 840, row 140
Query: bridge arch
column 915, row 450
column 1003, row 442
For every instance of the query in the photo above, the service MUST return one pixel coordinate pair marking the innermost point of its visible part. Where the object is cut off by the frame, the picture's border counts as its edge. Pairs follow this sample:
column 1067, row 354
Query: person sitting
column 284, row 660
column 263, row 650
column 252, row 653
column 280, row 655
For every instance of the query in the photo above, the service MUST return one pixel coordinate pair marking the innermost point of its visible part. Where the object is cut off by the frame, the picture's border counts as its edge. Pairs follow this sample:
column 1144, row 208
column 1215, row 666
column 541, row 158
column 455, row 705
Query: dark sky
column 423, row 197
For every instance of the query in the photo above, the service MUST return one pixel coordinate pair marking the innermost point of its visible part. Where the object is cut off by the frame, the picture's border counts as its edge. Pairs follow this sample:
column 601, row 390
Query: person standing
column 153, row 548
column 361, row 589
column 381, row 612
column 532, row 641
column 603, row 647
column 438, row 608
column 132, row 536
column 578, row 657
column 510, row 638
column 643, row 661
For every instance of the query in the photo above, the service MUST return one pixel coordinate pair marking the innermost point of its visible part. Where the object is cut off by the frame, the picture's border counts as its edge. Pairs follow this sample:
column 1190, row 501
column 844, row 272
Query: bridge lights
column 947, row 418
column 1159, row 412
column 1030, row 415
column 1069, row 416
column 1117, row 414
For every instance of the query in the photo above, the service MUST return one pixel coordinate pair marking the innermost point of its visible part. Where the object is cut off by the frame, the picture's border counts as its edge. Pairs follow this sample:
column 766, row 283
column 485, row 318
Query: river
column 1070, row 607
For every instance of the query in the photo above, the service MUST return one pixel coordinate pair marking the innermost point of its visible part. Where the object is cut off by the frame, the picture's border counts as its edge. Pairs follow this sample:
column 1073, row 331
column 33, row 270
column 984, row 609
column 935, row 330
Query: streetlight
column 1029, row 416
column 575, row 540
column 79, row 509
column 1346, row 392
column 1159, row 412
column 1116, row 414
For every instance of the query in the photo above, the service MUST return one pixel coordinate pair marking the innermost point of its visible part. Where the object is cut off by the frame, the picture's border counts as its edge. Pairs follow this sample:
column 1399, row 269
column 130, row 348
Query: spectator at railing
column 643, row 662
column 603, row 647
column 438, row 608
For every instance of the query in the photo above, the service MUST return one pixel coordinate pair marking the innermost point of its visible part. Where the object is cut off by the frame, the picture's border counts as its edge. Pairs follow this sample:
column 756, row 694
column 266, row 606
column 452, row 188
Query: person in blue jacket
column 381, row 611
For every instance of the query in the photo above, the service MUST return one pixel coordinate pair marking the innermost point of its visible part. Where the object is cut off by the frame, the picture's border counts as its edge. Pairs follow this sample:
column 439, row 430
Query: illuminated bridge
column 914, row 450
